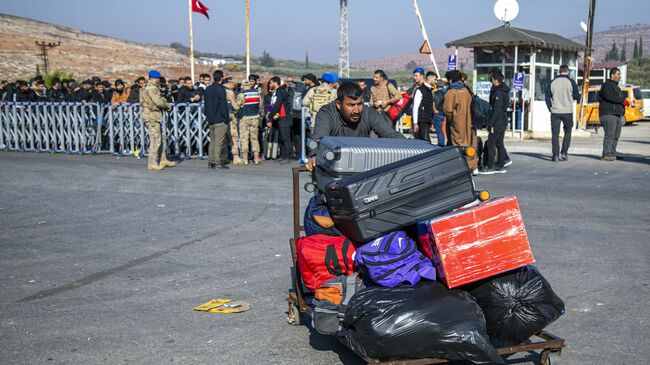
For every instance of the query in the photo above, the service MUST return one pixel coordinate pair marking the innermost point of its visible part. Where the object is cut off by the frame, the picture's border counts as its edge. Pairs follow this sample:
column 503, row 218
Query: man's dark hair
column 204, row 76
column 381, row 73
column 141, row 78
column 564, row 69
column 55, row 81
column 613, row 71
column 187, row 78
column 431, row 73
column 497, row 75
column 217, row 76
column 453, row 76
column 253, row 77
column 275, row 79
column 350, row 89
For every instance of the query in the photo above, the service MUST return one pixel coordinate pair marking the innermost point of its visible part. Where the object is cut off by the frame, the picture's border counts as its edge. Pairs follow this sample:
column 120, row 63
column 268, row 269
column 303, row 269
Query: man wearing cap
column 320, row 96
column 121, row 93
column 152, row 105
column 253, row 103
column 216, row 114
column 422, row 106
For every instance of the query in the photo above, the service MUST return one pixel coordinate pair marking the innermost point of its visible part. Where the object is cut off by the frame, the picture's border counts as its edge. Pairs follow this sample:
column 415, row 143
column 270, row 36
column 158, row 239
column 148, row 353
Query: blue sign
column 518, row 83
column 451, row 62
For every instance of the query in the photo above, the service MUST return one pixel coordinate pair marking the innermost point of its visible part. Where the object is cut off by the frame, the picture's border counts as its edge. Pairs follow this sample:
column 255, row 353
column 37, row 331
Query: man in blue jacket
column 560, row 94
column 612, row 110
column 216, row 114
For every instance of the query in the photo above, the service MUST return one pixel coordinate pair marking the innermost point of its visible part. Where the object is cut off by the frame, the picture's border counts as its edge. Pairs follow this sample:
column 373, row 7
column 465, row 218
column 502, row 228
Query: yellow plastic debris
column 224, row 306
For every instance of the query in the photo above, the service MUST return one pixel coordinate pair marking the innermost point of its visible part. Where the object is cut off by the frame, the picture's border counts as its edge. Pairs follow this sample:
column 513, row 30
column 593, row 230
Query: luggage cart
column 549, row 345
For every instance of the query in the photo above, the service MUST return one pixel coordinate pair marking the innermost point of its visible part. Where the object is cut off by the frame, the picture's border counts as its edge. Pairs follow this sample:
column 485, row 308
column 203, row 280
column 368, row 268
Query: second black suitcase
column 370, row 204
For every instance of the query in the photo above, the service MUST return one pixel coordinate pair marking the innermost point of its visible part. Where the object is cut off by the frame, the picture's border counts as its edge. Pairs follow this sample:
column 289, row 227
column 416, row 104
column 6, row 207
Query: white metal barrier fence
column 91, row 128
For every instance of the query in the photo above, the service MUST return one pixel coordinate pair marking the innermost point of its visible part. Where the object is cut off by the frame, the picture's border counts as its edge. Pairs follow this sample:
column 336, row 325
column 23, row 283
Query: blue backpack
column 317, row 209
column 392, row 260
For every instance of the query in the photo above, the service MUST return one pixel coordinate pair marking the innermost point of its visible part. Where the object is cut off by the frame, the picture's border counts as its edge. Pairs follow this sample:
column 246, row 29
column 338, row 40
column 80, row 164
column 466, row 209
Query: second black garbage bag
column 422, row 321
column 517, row 304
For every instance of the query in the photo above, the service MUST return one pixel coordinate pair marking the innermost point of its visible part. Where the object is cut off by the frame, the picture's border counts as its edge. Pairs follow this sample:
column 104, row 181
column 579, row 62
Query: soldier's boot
column 256, row 159
column 236, row 160
column 167, row 163
column 155, row 167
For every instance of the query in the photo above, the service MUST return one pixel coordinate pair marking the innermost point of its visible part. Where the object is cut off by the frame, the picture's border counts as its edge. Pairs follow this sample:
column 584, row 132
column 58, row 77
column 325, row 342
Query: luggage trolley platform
column 550, row 345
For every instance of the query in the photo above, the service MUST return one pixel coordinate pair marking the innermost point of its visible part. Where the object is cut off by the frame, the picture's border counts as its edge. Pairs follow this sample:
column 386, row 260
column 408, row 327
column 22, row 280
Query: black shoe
column 563, row 157
column 620, row 158
column 555, row 158
column 212, row 165
column 507, row 163
column 284, row 162
column 222, row 166
column 486, row 171
column 500, row 170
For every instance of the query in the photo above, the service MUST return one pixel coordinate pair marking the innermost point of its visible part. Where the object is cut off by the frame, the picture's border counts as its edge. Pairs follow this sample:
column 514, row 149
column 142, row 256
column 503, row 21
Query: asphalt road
column 102, row 261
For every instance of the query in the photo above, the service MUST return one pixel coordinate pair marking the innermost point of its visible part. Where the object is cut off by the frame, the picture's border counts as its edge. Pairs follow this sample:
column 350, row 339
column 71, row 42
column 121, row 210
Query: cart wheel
column 294, row 317
column 550, row 357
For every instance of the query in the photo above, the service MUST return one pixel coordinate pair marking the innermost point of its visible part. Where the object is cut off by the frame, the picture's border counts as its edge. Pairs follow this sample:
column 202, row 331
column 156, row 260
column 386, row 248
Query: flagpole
column 248, row 44
column 191, row 42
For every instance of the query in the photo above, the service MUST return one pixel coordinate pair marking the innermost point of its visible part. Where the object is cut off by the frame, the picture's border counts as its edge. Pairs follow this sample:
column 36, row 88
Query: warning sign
column 425, row 49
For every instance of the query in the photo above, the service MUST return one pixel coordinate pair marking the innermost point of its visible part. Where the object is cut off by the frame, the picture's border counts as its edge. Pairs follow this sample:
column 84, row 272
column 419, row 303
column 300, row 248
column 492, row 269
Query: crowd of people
column 238, row 113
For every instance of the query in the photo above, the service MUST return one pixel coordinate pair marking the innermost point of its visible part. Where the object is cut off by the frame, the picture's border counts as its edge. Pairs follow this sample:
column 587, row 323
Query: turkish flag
column 199, row 7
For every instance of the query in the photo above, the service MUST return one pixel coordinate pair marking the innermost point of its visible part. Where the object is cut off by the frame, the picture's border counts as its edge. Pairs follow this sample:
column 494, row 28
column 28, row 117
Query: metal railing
column 94, row 128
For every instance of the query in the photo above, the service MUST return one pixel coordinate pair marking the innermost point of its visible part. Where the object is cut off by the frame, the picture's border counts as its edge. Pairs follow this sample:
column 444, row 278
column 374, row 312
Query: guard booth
column 538, row 55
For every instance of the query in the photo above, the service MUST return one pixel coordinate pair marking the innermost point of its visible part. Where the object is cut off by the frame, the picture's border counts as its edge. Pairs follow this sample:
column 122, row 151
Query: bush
column 56, row 74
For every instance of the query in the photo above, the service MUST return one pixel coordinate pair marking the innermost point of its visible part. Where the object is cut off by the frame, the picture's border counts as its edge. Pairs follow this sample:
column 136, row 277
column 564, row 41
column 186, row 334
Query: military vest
column 322, row 96
column 252, row 102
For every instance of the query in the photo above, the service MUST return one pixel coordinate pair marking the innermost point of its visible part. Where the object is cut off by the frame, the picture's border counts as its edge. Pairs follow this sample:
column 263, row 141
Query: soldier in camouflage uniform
column 253, row 103
column 152, row 105
column 233, row 108
column 321, row 95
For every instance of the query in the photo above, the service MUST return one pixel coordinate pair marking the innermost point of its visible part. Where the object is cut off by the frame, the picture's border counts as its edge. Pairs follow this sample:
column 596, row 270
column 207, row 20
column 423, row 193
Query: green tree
column 56, row 74
column 635, row 54
column 623, row 52
column 612, row 55
column 410, row 65
column 267, row 60
column 641, row 46
column 306, row 60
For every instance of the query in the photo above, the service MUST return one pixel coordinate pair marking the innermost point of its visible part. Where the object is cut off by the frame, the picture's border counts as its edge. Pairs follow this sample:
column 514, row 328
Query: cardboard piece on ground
column 224, row 306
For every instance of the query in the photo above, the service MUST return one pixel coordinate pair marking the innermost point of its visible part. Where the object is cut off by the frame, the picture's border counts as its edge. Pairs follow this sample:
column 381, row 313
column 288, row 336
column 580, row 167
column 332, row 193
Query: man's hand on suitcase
column 311, row 164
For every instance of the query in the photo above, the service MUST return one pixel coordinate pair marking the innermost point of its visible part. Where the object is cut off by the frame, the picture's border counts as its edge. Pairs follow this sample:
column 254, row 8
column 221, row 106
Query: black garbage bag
column 517, row 304
column 427, row 320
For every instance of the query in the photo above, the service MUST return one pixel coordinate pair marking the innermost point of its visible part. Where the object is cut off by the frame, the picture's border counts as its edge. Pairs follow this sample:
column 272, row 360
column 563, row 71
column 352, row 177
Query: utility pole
column 587, row 70
column 344, row 46
column 45, row 47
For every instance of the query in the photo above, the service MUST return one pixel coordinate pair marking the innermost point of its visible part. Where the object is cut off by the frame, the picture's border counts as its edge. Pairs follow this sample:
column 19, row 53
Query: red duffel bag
column 396, row 110
column 321, row 258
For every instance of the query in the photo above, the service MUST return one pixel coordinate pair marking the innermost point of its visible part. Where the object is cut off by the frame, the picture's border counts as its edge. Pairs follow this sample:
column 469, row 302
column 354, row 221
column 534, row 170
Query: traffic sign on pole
column 518, row 82
column 452, row 62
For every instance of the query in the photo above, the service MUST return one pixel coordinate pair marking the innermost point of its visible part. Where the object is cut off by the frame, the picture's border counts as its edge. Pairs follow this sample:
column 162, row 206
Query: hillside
column 86, row 54
column 602, row 43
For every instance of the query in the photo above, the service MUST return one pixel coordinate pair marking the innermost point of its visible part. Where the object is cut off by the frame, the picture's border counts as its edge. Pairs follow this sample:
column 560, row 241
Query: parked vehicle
column 633, row 112
column 645, row 93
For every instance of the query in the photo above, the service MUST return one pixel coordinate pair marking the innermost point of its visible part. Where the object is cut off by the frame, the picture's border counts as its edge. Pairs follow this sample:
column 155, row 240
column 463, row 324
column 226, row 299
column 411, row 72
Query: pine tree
column 622, row 58
column 267, row 60
column 612, row 55
column 635, row 54
column 641, row 47
column 306, row 60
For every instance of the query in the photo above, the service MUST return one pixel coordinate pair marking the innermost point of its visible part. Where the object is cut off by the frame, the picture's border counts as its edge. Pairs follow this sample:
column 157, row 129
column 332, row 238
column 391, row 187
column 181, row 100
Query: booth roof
column 510, row 36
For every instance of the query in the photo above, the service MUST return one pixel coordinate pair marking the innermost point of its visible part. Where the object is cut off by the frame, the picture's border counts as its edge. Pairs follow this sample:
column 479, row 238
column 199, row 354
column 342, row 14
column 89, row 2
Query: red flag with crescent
column 199, row 7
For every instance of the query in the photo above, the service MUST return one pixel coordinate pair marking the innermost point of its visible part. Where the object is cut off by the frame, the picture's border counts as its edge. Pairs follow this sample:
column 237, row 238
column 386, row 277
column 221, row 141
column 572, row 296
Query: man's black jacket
column 611, row 99
column 499, row 100
column 281, row 98
column 216, row 104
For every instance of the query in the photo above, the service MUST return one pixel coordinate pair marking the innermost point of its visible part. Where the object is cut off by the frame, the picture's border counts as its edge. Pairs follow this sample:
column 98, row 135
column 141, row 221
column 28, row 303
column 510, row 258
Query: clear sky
column 290, row 28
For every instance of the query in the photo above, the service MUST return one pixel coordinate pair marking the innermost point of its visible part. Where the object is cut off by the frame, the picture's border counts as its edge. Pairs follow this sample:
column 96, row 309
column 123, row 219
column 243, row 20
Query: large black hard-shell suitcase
column 370, row 204
column 339, row 157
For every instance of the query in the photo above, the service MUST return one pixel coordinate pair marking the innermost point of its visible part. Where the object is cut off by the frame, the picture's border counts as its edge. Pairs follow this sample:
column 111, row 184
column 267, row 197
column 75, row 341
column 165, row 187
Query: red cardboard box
column 475, row 243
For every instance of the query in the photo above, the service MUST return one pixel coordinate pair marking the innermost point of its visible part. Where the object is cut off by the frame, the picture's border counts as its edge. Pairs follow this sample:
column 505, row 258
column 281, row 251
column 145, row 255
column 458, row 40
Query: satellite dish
column 506, row 10
column 583, row 25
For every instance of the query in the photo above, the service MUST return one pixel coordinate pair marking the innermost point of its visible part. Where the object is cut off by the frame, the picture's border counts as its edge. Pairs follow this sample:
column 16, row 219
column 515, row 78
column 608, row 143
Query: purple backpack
column 392, row 260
